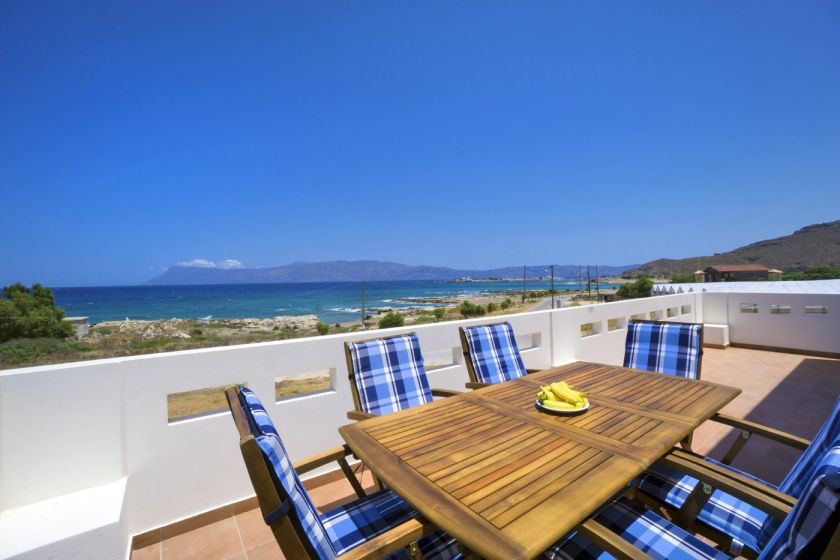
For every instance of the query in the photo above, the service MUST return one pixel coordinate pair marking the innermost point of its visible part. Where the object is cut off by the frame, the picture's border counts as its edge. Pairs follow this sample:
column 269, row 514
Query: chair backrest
column 665, row 347
column 387, row 374
column 811, row 528
column 284, row 502
column 797, row 479
column 491, row 353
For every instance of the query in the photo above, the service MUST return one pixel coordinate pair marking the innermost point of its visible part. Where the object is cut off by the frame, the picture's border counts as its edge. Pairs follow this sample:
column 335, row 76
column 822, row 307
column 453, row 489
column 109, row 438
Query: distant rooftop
column 739, row 268
column 778, row 287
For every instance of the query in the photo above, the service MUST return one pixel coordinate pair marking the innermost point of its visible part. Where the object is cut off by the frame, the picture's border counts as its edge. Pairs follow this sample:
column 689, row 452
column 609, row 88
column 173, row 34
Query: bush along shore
column 133, row 337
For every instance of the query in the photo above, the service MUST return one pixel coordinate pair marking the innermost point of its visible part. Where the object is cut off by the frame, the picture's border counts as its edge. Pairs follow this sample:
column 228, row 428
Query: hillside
column 353, row 271
column 810, row 246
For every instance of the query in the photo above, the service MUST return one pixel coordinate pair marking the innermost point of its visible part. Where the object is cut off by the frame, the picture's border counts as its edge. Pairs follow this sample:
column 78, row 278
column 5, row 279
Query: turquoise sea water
column 332, row 302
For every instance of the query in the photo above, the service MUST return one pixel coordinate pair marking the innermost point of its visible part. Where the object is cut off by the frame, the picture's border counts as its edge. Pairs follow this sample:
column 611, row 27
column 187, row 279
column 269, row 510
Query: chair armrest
column 321, row 459
column 761, row 430
column 611, row 542
column 741, row 479
column 475, row 385
column 772, row 501
column 445, row 392
column 359, row 415
column 390, row 541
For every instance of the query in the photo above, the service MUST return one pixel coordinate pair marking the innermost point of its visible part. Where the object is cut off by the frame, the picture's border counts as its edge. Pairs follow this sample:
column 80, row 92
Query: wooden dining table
column 507, row 479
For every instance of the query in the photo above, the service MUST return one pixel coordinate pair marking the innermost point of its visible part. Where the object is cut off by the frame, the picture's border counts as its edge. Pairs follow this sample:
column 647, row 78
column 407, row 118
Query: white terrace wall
column 794, row 329
column 69, row 427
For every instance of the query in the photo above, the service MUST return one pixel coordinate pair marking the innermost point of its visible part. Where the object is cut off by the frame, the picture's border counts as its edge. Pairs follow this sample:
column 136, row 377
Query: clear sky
column 134, row 135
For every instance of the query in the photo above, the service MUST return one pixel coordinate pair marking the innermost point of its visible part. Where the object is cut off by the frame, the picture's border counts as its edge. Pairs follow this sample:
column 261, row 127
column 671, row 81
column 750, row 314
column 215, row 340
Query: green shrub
column 392, row 319
column 682, row 279
column 32, row 313
column 506, row 303
column 822, row 272
column 491, row 307
column 469, row 309
column 439, row 312
column 638, row 289
column 322, row 328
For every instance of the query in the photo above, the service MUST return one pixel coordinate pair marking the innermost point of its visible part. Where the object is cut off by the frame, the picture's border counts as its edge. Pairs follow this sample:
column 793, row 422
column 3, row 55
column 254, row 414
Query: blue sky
column 468, row 134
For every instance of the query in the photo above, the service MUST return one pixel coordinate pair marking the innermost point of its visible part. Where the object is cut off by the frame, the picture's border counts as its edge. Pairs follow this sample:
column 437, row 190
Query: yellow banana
column 558, row 405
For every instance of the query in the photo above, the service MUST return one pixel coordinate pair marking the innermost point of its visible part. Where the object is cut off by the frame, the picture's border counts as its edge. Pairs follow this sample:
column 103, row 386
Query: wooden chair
column 698, row 492
column 491, row 354
column 372, row 366
column 372, row 527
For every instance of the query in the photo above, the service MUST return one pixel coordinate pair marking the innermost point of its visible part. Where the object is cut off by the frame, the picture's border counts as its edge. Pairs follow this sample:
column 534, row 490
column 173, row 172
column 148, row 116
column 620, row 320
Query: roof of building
column 778, row 287
column 739, row 268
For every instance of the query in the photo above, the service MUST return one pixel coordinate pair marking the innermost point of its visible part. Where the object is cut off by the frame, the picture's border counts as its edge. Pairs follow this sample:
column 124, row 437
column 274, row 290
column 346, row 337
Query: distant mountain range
column 354, row 271
column 810, row 246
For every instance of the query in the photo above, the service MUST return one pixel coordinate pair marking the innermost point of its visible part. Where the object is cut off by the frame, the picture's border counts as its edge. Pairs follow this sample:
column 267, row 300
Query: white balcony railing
column 76, row 436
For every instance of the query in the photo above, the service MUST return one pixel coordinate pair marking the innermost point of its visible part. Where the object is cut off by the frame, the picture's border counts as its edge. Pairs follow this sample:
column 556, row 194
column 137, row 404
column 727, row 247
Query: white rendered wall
column 796, row 330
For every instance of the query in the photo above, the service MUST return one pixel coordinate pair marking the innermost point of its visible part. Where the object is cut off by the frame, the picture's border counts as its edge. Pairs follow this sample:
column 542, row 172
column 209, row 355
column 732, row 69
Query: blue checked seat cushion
column 389, row 374
column 655, row 536
column 746, row 524
column 812, row 521
column 346, row 527
column 494, row 353
column 672, row 348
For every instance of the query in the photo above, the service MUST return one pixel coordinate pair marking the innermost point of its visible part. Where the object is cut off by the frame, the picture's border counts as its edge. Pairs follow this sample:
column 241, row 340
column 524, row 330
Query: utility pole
column 588, row 282
column 363, row 305
column 580, row 280
column 524, row 276
column 552, row 286
column 597, row 283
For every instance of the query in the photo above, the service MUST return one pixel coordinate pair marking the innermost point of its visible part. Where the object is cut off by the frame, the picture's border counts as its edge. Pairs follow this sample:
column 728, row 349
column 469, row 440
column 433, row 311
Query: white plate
column 556, row 411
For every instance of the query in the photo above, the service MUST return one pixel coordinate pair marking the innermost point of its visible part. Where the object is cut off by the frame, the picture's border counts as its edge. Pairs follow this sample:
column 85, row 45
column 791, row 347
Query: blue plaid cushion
column 653, row 535
column 389, row 374
column 353, row 524
column 795, row 481
column 723, row 512
column 671, row 348
column 303, row 510
column 814, row 515
column 494, row 353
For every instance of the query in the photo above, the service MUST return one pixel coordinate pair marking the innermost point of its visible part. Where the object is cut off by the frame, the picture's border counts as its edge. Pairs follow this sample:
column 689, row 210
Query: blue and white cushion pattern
column 389, row 374
column 353, row 524
column 746, row 524
column 672, row 348
column 729, row 515
column 494, row 353
column 796, row 480
column 657, row 537
column 814, row 517
column 303, row 510
column 346, row 527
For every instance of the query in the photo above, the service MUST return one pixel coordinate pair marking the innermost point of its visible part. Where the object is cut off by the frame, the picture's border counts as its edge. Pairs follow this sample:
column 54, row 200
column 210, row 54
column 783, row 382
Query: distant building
column 80, row 324
column 736, row 273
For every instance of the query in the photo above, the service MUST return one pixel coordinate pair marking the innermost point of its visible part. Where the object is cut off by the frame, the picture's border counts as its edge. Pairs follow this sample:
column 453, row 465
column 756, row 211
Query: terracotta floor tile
column 268, row 551
column 215, row 541
column 252, row 529
column 151, row 552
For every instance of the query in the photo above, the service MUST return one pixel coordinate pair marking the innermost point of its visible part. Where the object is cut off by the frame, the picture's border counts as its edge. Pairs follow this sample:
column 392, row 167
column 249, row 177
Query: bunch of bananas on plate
column 561, row 396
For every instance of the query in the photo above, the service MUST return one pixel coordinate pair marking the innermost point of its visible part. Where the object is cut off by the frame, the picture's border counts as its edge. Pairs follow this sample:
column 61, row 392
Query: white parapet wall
column 78, row 427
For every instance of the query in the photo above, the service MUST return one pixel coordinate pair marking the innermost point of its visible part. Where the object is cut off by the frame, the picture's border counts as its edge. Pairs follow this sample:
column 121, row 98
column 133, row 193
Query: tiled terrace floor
column 789, row 392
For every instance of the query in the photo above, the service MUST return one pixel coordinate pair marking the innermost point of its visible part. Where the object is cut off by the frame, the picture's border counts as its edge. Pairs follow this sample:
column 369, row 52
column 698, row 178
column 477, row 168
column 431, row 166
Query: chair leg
column 737, row 445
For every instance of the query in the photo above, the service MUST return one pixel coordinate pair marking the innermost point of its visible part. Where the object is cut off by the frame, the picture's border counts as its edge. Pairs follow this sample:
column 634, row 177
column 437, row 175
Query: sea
column 332, row 302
